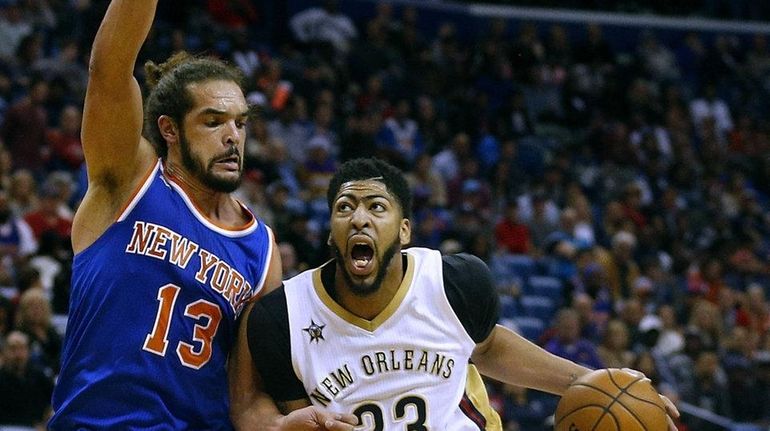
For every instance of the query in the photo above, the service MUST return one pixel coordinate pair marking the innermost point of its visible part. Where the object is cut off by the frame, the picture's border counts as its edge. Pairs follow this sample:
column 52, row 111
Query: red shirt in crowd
column 513, row 237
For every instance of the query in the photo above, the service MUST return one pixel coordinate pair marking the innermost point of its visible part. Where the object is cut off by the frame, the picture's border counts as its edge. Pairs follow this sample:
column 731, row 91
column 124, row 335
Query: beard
column 363, row 289
column 204, row 173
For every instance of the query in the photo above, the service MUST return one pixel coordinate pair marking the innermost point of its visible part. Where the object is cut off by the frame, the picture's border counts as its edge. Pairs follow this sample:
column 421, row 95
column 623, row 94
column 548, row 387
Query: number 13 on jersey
column 190, row 356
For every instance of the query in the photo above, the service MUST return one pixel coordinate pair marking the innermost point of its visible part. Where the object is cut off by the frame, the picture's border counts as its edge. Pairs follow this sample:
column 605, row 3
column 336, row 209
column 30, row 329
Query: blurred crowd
column 620, row 197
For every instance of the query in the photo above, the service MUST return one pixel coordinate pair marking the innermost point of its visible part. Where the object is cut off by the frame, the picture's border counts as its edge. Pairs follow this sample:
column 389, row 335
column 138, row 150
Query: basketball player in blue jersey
column 165, row 257
column 390, row 334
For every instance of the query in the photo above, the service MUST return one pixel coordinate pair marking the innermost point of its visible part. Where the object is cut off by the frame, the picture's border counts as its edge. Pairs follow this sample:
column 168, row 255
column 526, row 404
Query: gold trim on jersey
column 367, row 325
column 477, row 394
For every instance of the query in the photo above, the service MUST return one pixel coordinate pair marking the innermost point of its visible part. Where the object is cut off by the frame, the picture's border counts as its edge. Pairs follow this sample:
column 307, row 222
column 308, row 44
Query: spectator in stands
column 23, row 130
column 232, row 14
column 706, row 319
column 427, row 186
column 511, row 235
column 568, row 343
column 525, row 409
column 470, row 187
column 50, row 260
column 758, row 309
column 292, row 128
column 34, row 319
column 46, row 218
column 709, row 105
column 319, row 167
column 447, row 163
column 64, row 141
column 17, row 242
column 593, row 320
column 619, row 265
column 14, row 26
column 515, row 119
column 434, row 127
column 542, row 218
column 643, row 290
column 632, row 206
column 22, row 192
column 373, row 54
column 324, row 25
column 67, row 66
column 710, row 390
column 592, row 282
column 400, row 139
column 583, row 229
column 736, row 360
column 614, row 349
column 658, row 61
column 682, row 363
column 507, row 177
column 25, row 390
column 63, row 185
column 671, row 339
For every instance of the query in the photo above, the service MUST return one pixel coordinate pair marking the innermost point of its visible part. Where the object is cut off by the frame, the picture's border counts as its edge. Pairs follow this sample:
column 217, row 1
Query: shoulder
column 464, row 266
column 469, row 287
column 271, row 307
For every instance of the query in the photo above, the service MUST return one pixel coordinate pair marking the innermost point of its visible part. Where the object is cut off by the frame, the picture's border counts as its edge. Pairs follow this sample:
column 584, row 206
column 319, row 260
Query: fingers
column 340, row 422
column 672, row 411
column 670, row 407
column 671, row 425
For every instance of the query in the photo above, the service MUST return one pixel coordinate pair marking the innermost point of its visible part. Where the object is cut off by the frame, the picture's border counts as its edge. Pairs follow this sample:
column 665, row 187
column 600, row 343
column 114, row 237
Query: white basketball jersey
column 407, row 369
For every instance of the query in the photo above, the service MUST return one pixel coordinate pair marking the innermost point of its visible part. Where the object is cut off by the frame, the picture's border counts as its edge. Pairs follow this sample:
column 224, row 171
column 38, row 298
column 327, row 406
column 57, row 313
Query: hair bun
column 155, row 72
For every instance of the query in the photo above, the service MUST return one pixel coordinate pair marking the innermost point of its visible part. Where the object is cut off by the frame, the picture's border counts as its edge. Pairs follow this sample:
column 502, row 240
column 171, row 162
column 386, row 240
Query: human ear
column 168, row 129
column 405, row 232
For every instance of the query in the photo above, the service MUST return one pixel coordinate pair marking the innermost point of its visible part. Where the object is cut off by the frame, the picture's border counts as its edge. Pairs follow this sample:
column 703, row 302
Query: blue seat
column 545, row 285
column 509, row 307
column 538, row 306
column 512, row 265
column 528, row 327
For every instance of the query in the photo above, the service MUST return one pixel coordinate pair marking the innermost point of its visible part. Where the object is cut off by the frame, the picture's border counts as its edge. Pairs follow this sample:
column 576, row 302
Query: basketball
column 611, row 400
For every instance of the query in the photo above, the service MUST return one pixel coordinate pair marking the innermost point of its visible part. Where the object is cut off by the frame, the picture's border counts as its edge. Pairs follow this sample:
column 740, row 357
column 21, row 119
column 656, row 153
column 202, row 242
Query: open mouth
column 361, row 256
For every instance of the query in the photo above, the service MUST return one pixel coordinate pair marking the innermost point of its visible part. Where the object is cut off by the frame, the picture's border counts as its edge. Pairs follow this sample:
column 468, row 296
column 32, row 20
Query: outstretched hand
column 313, row 419
column 672, row 411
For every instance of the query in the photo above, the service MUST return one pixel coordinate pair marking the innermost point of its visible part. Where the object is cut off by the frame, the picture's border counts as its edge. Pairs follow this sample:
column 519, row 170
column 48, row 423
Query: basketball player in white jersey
column 390, row 334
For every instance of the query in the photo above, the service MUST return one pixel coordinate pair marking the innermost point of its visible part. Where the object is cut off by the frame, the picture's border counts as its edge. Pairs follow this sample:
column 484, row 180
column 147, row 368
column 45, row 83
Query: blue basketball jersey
column 152, row 316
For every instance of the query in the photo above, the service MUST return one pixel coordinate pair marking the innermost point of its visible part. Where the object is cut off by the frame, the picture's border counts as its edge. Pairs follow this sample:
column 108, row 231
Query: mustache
column 233, row 151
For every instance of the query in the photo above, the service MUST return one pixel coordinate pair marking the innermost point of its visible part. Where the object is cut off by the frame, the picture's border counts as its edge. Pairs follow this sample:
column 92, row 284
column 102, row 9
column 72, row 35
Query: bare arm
column 510, row 358
column 252, row 409
column 116, row 155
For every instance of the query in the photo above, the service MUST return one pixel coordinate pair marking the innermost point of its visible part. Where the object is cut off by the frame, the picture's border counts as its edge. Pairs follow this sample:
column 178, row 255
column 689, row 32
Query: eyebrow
column 214, row 111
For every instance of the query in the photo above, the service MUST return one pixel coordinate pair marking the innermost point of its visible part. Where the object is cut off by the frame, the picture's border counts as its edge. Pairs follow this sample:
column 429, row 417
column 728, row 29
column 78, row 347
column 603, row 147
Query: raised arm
column 116, row 155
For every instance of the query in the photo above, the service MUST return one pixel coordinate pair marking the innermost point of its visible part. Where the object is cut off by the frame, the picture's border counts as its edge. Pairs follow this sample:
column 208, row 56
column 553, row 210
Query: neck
column 215, row 205
column 370, row 306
